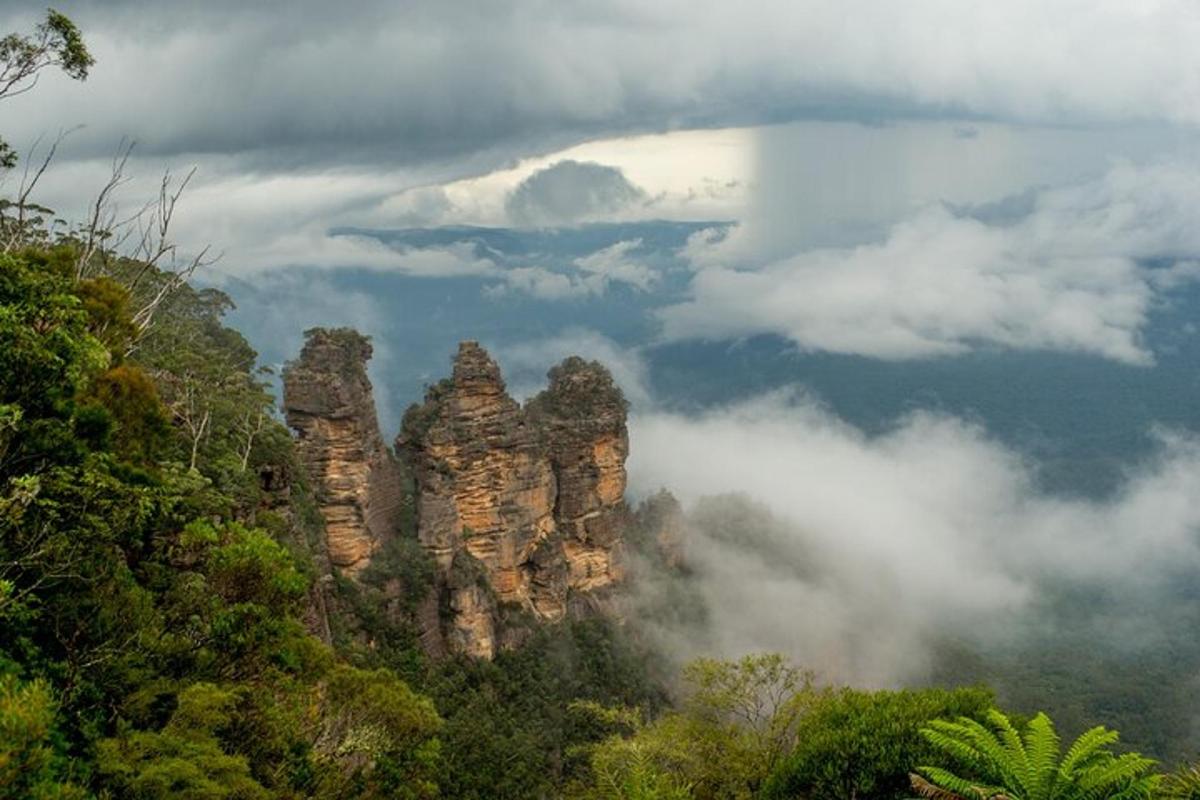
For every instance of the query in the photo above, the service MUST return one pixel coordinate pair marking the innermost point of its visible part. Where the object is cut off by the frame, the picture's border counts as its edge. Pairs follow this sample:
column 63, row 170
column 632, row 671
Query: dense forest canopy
column 163, row 633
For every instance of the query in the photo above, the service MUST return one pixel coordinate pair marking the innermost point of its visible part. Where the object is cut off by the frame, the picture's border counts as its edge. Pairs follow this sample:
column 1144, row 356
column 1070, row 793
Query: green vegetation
column 863, row 744
column 996, row 760
column 150, row 634
column 759, row 728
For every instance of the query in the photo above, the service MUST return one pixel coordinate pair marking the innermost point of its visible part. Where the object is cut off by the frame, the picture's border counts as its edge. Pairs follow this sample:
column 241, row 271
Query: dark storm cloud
column 308, row 82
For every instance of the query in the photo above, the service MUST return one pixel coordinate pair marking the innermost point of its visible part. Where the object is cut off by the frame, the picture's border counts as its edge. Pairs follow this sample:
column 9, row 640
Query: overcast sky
column 420, row 81
column 1022, row 158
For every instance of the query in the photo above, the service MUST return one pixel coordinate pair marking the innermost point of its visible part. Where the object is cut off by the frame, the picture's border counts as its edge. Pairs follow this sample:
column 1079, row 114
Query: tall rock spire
column 581, row 419
column 520, row 507
column 327, row 400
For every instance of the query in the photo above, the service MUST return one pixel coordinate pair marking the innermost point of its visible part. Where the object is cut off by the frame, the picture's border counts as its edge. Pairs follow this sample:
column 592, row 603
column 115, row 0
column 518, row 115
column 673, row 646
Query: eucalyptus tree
column 55, row 42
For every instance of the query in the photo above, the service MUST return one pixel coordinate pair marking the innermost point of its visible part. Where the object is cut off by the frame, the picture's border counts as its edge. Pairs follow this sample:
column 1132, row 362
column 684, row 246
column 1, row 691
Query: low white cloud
column 855, row 554
column 318, row 248
column 539, row 282
column 1068, row 276
column 588, row 276
column 526, row 363
column 615, row 264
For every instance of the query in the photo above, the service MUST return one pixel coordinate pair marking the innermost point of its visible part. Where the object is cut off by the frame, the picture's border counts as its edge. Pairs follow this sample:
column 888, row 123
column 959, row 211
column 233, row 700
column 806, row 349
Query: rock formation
column 522, row 510
column 661, row 525
column 328, row 402
column 520, row 507
column 581, row 417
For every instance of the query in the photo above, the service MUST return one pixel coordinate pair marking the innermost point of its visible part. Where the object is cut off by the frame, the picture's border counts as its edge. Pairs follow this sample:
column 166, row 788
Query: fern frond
column 1014, row 746
column 1000, row 766
column 1143, row 788
column 931, row 791
column 948, row 737
column 1107, row 779
column 947, row 781
column 1184, row 784
column 1043, row 746
column 1084, row 748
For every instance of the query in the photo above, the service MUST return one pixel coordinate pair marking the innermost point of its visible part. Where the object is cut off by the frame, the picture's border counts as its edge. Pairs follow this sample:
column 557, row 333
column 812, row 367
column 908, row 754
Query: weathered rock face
column 534, row 496
column 582, row 420
column 483, row 482
column 328, row 402
column 521, row 509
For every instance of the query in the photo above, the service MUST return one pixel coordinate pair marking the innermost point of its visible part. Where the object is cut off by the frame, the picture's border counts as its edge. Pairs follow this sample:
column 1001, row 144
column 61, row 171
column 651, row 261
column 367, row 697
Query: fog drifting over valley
column 855, row 554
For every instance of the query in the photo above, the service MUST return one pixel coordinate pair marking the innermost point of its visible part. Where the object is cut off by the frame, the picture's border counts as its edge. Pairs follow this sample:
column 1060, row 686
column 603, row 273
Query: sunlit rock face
column 328, row 403
column 535, row 496
column 484, row 484
column 581, row 417
column 522, row 510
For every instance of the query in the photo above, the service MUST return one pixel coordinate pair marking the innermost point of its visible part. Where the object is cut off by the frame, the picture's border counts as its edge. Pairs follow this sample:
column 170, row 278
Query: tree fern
column 996, row 762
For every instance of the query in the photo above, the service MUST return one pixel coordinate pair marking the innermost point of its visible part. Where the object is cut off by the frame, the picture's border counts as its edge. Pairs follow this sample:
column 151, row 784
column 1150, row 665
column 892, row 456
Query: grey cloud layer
column 422, row 81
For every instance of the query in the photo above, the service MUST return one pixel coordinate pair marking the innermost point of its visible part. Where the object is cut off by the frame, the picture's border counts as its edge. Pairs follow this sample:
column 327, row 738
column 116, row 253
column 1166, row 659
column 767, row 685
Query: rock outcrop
column 327, row 400
column 661, row 526
column 520, row 507
column 522, row 510
column 581, row 418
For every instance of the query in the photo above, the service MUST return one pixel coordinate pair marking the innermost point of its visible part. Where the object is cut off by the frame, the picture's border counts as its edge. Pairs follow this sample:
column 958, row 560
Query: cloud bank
column 1079, row 271
column 856, row 554
column 588, row 276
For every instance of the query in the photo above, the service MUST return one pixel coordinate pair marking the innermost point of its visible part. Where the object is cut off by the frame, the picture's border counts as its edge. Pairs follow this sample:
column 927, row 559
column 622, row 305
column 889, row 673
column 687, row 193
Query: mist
column 858, row 556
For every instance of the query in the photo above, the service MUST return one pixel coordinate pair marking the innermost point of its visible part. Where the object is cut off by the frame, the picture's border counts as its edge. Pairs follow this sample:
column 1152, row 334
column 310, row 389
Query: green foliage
column 996, row 759
column 852, row 743
column 737, row 720
column 28, row 761
column 216, row 398
column 380, row 735
column 156, row 629
column 110, row 318
column 631, row 772
column 130, row 400
column 509, row 732
column 183, row 760
column 46, row 355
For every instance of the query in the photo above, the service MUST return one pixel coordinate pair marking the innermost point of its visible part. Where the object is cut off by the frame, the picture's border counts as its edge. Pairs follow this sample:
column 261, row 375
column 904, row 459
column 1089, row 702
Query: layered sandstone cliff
column 521, row 507
column 581, row 419
column 521, row 510
column 328, row 402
